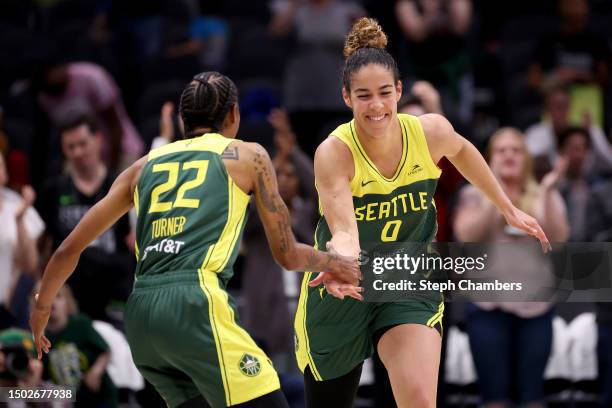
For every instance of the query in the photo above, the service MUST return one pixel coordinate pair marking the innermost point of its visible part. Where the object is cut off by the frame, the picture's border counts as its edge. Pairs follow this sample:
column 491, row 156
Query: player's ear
column 232, row 116
column 398, row 89
column 347, row 98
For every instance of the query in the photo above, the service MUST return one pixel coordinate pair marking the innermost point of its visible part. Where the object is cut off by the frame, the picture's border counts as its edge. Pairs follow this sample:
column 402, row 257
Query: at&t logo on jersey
column 166, row 246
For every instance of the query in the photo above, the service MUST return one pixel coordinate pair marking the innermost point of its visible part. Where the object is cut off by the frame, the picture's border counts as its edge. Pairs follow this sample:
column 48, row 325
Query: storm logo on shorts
column 249, row 365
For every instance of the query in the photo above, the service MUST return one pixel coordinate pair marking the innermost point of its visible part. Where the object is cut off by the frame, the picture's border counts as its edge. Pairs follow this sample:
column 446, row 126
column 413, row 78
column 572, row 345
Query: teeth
column 377, row 118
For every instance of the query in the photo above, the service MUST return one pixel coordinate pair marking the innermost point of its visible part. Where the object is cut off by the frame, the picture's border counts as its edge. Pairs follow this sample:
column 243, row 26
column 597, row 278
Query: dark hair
column 76, row 121
column 571, row 130
column 364, row 45
column 206, row 100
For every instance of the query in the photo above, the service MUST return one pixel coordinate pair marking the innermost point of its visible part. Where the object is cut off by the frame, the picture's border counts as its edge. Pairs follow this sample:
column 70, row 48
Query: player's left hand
column 528, row 224
column 39, row 318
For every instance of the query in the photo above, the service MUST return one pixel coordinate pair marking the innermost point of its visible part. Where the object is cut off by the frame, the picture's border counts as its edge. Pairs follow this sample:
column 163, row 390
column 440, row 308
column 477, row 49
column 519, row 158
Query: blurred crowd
column 88, row 86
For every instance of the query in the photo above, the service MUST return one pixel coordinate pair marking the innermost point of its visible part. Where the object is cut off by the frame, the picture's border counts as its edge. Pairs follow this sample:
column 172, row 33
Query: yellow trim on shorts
column 232, row 343
column 437, row 318
column 303, row 355
column 218, row 344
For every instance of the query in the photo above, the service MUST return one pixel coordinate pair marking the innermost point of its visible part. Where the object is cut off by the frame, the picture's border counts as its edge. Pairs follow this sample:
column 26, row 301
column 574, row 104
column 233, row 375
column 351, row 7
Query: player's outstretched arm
column 442, row 140
column 274, row 216
column 333, row 171
column 61, row 265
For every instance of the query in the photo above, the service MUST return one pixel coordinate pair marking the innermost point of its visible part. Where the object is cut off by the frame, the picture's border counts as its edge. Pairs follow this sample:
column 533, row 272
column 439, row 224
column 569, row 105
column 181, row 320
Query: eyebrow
column 367, row 90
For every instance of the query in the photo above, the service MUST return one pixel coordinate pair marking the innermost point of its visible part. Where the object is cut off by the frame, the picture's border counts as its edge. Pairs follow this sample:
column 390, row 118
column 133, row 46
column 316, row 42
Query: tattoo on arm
column 319, row 261
column 264, row 177
column 284, row 241
column 284, row 227
column 272, row 201
column 230, row 153
column 312, row 263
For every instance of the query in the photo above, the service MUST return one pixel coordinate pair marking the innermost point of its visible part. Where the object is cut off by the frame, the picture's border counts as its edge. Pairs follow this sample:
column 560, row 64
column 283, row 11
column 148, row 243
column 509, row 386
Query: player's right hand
column 39, row 318
column 344, row 269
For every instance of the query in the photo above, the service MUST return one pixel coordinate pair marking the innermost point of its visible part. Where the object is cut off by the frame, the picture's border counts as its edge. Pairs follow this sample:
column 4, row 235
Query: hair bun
column 366, row 32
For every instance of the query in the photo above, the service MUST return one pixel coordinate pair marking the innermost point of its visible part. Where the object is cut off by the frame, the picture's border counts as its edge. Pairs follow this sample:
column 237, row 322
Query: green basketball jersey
column 190, row 213
column 397, row 209
column 332, row 335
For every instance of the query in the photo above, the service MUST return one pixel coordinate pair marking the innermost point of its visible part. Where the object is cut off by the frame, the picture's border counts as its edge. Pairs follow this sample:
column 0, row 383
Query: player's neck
column 380, row 145
column 197, row 132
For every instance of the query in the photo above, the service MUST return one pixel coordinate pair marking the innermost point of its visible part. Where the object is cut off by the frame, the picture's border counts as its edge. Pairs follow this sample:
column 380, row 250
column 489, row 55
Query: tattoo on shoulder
column 230, row 153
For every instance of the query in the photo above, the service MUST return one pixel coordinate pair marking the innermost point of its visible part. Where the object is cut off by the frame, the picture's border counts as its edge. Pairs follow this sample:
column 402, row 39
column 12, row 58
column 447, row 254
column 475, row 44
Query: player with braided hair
column 191, row 198
column 364, row 170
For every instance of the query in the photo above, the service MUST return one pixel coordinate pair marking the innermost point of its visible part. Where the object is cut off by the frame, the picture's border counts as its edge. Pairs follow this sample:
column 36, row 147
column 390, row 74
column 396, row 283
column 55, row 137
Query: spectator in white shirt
column 21, row 228
column 542, row 138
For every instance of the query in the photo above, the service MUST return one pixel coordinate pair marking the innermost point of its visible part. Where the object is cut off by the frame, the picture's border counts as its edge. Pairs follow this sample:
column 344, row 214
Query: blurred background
column 88, row 86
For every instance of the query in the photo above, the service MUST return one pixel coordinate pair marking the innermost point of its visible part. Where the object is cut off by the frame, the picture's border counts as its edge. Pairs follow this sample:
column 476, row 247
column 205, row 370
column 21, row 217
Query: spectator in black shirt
column 104, row 271
column 574, row 54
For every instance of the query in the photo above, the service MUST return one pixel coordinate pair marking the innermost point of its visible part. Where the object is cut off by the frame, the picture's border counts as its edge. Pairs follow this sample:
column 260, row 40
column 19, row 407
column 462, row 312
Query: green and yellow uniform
column 332, row 335
column 180, row 321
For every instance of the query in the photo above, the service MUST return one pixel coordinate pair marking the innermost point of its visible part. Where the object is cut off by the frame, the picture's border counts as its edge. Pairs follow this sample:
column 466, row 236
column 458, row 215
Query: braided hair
column 205, row 101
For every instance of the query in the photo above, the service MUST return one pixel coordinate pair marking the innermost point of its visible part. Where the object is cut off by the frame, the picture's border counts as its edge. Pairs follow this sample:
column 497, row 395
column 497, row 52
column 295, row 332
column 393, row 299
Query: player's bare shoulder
column 244, row 161
column 135, row 170
column 333, row 156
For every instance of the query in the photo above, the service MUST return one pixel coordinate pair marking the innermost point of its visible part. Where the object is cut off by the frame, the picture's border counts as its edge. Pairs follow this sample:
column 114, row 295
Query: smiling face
column 509, row 159
column 373, row 98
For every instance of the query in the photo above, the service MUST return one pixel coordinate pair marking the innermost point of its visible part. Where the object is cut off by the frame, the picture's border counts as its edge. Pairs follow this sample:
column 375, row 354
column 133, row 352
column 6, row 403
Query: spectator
column 574, row 53
column 320, row 27
column 434, row 49
column 542, row 138
column 513, row 339
column 69, row 90
column 575, row 185
column 574, row 56
column 105, row 269
column 79, row 356
column 21, row 228
column 19, row 367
